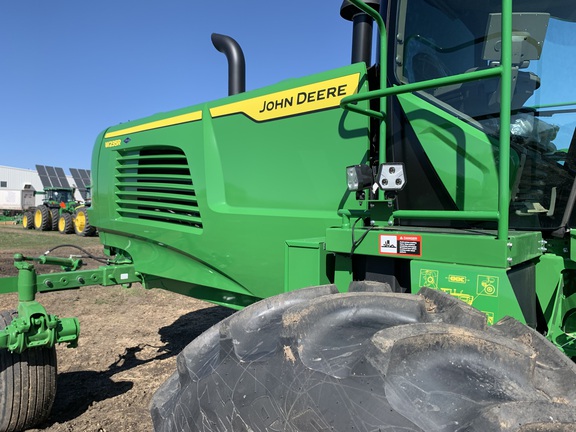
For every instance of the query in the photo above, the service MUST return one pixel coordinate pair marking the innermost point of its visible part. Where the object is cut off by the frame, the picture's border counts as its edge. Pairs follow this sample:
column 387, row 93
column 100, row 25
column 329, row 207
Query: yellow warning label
column 457, row 279
column 298, row 100
column 429, row 278
column 487, row 285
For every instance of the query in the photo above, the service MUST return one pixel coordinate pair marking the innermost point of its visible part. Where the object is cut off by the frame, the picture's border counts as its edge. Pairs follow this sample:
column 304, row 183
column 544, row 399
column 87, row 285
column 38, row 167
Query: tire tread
column 370, row 359
column 27, row 383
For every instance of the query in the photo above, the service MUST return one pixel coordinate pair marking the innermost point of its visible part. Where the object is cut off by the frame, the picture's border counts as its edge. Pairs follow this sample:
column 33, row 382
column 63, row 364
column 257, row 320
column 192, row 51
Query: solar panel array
column 82, row 179
column 52, row 177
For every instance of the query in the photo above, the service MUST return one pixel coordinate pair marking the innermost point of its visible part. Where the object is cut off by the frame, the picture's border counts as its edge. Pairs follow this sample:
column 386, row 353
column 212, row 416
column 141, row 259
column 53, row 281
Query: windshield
column 438, row 39
column 547, row 128
column 60, row 196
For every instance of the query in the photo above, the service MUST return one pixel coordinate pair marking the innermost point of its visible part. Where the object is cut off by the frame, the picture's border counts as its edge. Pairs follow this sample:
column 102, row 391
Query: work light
column 359, row 177
column 391, row 176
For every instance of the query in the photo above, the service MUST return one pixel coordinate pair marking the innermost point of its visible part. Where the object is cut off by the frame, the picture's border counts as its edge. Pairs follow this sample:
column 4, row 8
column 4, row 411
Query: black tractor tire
column 82, row 225
column 42, row 218
column 54, row 217
column 28, row 220
column 367, row 360
column 27, row 384
column 65, row 224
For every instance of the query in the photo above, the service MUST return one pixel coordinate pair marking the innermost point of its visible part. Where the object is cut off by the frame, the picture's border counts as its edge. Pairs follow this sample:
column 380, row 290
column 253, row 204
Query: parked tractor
column 410, row 264
column 60, row 211
column 58, row 198
column 45, row 217
column 75, row 220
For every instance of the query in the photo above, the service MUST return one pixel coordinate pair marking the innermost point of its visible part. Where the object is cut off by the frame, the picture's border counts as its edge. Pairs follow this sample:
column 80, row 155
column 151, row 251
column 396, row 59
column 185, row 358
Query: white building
column 17, row 178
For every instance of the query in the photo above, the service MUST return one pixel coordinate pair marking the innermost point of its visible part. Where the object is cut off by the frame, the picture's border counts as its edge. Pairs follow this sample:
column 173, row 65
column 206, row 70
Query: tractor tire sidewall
column 43, row 219
column 28, row 220
column 83, row 229
column 364, row 361
column 54, row 217
column 27, row 384
column 65, row 224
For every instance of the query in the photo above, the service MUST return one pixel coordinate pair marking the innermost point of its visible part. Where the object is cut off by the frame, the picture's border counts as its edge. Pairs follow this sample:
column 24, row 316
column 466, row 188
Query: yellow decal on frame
column 487, row 285
column 298, row 100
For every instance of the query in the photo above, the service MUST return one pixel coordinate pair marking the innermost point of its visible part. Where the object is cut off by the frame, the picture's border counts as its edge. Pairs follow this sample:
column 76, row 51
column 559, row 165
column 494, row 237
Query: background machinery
column 78, row 222
column 58, row 194
column 428, row 197
column 16, row 201
column 60, row 211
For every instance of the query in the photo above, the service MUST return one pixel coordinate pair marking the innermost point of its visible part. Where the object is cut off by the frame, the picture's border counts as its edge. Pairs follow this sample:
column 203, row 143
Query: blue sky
column 72, row 68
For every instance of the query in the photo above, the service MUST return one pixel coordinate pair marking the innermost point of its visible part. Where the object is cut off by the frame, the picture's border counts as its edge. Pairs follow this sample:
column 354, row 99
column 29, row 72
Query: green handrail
column 505, row 107
column 504, row 71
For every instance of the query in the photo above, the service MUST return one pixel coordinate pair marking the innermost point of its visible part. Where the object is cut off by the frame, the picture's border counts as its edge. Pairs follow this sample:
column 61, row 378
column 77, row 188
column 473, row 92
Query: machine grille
column 155, row 184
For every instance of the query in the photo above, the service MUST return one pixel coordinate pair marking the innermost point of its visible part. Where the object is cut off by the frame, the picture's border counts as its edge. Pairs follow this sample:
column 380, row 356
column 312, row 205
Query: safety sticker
column 487, row 285
column 428, row 278
column 408, row 245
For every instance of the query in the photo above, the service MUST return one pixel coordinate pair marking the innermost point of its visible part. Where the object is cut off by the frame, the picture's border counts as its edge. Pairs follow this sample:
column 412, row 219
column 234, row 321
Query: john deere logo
column 298, row 100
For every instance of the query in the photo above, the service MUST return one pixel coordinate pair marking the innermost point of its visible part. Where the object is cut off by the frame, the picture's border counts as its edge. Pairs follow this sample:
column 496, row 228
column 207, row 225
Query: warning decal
column 410, row 245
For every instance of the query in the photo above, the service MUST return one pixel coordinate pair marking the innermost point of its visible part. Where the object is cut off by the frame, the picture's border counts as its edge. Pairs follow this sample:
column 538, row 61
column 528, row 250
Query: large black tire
column 42, row 218
column 27, row 384
column 28, row 220
column 54, row 217
column 315, row 360
column 82, row 225
column 65, row 224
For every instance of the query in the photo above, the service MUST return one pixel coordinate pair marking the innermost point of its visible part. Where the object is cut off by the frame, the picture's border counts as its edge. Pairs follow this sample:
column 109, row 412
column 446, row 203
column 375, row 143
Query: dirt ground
column 128, row 343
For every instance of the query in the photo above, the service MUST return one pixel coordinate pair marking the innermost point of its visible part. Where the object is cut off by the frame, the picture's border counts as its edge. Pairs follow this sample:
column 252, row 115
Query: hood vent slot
column 155, row 184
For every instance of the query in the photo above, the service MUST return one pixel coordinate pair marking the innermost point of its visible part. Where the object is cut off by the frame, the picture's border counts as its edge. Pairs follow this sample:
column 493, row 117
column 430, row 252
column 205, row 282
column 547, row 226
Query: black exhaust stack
column 236, row 63
column 362, row 30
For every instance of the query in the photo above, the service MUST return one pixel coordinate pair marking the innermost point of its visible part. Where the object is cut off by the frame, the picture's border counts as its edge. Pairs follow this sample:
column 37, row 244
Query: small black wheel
column 54, row 217
column 82, row 225
column 27, row 384
column 42, row 218
column 65, row 224
column 28, row 220
column 315, row 359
